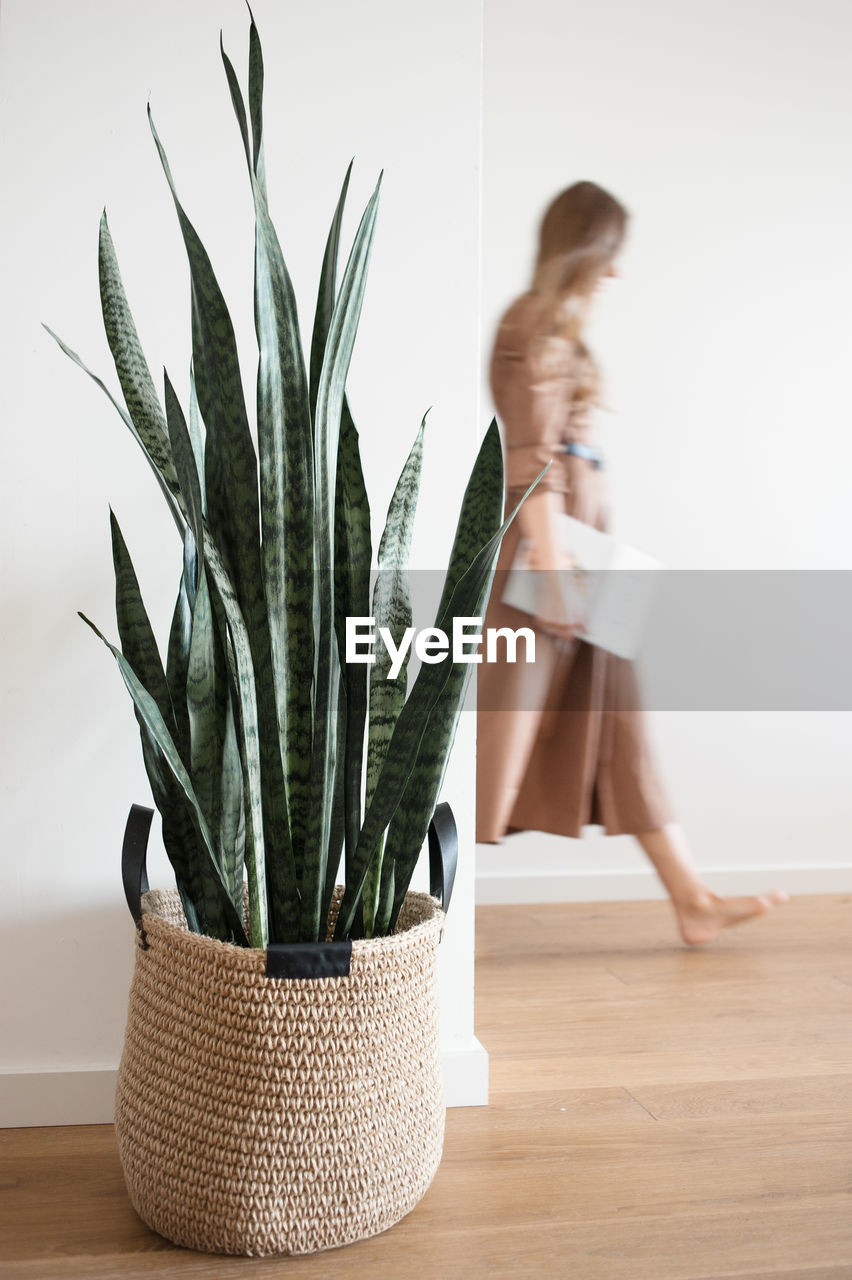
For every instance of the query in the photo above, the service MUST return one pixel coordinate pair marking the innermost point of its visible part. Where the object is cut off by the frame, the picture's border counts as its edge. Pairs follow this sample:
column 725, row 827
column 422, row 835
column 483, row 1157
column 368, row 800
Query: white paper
column 614, row 605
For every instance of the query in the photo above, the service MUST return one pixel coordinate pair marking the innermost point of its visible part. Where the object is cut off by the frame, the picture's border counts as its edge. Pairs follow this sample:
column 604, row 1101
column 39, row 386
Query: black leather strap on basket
column 134, row 872
column 443, row 854
column 308, row 960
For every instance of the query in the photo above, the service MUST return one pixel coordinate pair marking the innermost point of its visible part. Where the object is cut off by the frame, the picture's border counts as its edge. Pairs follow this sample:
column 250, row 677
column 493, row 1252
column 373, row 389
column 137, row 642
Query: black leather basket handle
column 134, row 851
column 443, row 858
column 443, row 854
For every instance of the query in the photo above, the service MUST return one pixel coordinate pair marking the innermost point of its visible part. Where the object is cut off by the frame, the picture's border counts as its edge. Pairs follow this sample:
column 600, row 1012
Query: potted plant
column 280, row 1088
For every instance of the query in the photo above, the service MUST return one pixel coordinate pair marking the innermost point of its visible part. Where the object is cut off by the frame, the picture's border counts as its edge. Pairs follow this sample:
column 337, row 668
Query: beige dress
column 561, row 742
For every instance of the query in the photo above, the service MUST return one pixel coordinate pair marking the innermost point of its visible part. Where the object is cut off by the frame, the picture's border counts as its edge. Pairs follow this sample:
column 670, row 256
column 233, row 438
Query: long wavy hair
column 581, row 232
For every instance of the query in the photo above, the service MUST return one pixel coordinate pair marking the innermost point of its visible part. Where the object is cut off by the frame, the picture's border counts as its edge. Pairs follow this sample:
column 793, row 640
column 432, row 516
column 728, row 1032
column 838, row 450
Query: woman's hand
column 558, row 614
column 558, row 604
column 559, row 593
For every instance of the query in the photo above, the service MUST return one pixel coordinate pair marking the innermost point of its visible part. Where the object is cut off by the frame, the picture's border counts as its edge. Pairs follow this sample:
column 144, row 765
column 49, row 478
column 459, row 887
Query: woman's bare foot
column 701, row 919
column 700, row 913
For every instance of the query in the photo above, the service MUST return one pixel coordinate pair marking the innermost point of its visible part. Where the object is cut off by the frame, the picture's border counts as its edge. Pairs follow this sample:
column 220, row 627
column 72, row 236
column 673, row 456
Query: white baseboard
column 466, row 1075
column 32, row 1099
column 543, row 885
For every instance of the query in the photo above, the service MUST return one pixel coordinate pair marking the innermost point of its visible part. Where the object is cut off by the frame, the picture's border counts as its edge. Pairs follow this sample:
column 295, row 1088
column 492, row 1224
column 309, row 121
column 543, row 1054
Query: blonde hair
column 581, row 232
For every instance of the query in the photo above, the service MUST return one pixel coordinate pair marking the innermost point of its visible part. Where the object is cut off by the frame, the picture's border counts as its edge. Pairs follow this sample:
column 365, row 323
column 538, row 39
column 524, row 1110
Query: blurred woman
column 562, row 741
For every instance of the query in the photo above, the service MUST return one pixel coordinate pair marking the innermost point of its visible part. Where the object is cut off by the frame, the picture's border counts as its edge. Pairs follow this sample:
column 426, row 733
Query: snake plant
column 253, row 729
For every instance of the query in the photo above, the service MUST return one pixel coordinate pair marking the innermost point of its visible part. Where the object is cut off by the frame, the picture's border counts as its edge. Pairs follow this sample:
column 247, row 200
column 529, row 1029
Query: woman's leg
column 700, row 913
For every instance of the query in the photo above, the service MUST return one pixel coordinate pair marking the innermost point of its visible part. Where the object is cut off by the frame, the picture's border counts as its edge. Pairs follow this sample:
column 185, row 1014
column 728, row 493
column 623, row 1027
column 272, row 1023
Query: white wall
column 724, row 128
column 398, row 88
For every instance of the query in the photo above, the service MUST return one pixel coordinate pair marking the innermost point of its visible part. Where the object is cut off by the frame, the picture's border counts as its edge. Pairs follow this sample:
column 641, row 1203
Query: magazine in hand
column 608, row 586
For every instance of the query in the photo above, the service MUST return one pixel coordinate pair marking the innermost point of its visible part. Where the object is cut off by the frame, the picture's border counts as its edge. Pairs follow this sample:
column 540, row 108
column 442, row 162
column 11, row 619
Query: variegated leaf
column 231, row 482
column 169, row 496
column 411, row 726
column 391, row 610
column 131, row 366
column 338, row 352
column 216, row 891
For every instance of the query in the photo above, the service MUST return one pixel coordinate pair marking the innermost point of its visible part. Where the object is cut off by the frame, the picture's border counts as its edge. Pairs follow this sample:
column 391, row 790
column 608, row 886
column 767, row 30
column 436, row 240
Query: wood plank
column 658, row 1113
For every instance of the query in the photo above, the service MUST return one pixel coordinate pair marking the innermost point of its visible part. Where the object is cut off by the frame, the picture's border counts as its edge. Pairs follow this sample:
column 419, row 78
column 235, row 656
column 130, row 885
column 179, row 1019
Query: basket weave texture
column 262, row 1116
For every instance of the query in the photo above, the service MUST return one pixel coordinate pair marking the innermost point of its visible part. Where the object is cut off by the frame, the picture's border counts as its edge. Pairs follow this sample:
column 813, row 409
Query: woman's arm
column 532, row 381
column 538, row 524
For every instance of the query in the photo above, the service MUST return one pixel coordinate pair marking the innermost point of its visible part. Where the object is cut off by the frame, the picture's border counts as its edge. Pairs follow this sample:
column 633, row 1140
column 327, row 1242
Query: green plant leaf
column 338, row 813
column 237, row 102
column 180, row 633
column 285, row 450
column 350, row 524
column 323, row 318
column 325, row 792
column 134, row 628
column 255, row 95
column 140, row 649
column 126, row 419
column 206, row 724
column 230, row 461
column 480, row 517
column 392, row 610
column 239, row 659
column 131, row 366
column 352, row 551
column 410, row 823
column 156, row 726
column 196, row 436
column 327, row 294
column 186, row 853
column 338, row 352
column 352, row 557
column 185, row 469
column 231, row 484
column 384, row 907
column 411, row 726
column 232, row 826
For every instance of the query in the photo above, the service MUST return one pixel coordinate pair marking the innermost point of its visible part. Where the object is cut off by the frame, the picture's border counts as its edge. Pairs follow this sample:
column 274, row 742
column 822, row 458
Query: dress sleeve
column 532, row 382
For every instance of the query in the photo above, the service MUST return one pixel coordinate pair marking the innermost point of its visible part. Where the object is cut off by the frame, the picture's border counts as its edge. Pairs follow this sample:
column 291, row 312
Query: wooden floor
column 657, row 1113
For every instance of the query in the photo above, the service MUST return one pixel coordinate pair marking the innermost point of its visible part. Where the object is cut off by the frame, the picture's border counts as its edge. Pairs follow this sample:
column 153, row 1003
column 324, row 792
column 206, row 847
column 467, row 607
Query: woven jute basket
column 261, row 1115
